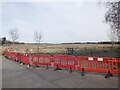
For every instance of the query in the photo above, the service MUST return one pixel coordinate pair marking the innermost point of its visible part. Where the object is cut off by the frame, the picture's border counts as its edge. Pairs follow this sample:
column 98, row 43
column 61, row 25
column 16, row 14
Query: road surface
column 15, row 75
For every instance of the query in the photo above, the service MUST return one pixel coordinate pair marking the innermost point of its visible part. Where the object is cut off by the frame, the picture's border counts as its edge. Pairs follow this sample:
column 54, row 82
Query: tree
column 112, row 17
column 38, row 37
column 112, row 36
column 14, row 34
column 3, row 40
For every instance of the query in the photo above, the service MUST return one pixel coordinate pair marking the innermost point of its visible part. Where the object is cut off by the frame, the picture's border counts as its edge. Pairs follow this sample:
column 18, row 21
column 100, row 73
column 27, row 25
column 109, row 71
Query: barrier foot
column 108, row 74
column 17, row 60
column 70, row 70
column 47, row 67
column 34, row 66
column 28, row 65
column 82, row 73
column 21, row 63
column 57, row 68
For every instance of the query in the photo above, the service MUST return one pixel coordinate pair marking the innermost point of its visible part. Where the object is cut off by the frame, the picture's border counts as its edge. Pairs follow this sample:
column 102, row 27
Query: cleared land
column 101, row 50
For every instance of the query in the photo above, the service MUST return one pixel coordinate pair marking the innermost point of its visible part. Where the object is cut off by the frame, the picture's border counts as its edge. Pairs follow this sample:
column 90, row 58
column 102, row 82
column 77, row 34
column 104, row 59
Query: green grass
column 1, row 56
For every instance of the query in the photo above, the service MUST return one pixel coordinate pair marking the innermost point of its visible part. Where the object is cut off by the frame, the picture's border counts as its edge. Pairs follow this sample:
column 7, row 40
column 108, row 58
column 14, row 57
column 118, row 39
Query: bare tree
column 112, row 17
column 112, row 36
column 38, row 37
column 14, row 34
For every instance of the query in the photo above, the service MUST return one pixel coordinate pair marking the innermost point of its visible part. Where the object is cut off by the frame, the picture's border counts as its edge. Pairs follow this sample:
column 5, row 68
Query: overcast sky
column 58, row 21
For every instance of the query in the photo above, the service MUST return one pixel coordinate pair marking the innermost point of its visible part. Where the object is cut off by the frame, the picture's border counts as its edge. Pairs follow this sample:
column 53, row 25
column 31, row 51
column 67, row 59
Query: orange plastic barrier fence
column 96, row 64
column 25, row 58
column 65, row 61
column 18, row 56
column 6, row 53
column 93, row 64
column 41, row 59
column 119, row 65
column 115, row 66
column 13, row 55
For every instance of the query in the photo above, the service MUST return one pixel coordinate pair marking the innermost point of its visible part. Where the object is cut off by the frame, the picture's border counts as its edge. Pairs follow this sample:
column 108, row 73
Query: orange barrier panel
column 118, row 59
column 25, row 58
column 41, row 59
column 13, row 55
column 6, row 53
column 18, row 56
column 115, row 65
column 96, row 64
column 65, row 61
column 21, row 58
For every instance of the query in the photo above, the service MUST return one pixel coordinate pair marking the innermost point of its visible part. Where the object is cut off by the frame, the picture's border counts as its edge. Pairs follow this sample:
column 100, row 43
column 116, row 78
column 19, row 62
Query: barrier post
column 47, row 66
column 82, row 73
column 70, row 70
